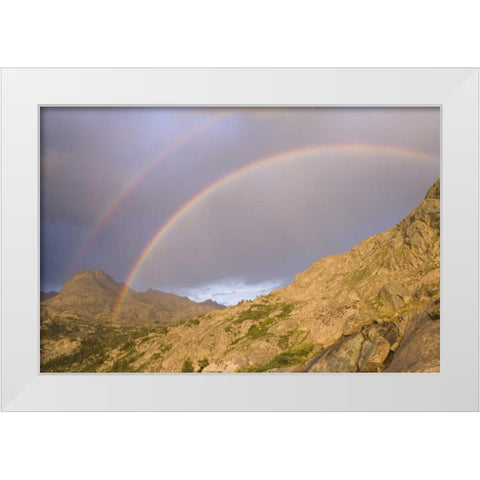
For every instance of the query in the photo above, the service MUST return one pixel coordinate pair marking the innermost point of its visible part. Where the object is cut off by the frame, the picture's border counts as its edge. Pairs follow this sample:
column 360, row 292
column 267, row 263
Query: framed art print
column 240, row 239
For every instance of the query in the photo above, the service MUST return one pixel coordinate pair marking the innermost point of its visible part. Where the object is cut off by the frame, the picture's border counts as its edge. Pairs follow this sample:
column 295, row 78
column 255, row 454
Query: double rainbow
column 296, row 154
column 113, row 205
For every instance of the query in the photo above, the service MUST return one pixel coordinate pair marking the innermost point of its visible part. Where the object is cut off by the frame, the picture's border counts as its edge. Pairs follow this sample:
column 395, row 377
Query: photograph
column 252, row 239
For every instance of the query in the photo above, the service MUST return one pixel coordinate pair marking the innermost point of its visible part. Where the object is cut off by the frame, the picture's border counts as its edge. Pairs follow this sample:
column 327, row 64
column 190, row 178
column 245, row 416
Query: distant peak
column 91, row 277
column 212, row 303
column 47, row 295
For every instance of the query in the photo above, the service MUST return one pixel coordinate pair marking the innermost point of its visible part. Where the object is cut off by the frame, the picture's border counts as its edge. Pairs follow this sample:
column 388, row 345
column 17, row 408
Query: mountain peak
column 93, row 274
column 94, row 294
column 212, row 303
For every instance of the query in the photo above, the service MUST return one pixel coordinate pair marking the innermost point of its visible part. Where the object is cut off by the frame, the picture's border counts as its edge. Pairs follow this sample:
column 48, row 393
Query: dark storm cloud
column 255, row 234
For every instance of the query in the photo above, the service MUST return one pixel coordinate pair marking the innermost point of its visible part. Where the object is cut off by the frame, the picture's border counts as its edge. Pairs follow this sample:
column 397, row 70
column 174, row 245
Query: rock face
column 374, row 308
column 420, row 348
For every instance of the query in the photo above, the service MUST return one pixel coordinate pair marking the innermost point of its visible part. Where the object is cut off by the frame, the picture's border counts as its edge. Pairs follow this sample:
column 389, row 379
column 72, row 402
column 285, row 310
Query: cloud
column 230, row 291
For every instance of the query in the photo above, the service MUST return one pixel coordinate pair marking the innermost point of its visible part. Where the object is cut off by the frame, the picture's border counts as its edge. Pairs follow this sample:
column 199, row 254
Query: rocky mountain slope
column 374, row 308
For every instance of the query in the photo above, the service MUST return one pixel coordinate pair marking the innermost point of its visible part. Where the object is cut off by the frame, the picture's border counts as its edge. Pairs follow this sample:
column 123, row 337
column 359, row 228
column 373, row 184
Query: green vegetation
column 356, row 277
column 144, row 339
column 261, row 311
column 259, row 330
column 89, row 355
column 284, row 359
column 165, row 348
column 283, row 340
column 94, row 347
column 193, row 321
column 295, row 336
column 128, row 345
column 202, row 364
column 187, row 366
column 57, row 328
column 123, row 364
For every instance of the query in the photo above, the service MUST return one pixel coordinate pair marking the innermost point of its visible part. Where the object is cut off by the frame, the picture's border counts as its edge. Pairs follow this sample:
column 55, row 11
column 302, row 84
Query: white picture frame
column 455, row 388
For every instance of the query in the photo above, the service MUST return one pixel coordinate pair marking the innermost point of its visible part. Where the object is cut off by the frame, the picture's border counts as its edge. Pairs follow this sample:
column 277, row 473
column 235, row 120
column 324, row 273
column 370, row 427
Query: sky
column 223, row 203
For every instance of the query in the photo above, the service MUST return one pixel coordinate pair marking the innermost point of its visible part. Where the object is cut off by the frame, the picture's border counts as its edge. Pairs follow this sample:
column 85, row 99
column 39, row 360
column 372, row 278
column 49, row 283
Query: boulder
column 373, row 355
column 394, row 293
column 342, row 357
column 355, row 322
column 419, row 351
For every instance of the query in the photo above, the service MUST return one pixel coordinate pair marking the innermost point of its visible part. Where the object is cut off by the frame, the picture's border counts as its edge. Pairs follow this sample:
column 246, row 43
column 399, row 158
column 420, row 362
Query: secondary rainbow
column 279, row 157
column 113, row 205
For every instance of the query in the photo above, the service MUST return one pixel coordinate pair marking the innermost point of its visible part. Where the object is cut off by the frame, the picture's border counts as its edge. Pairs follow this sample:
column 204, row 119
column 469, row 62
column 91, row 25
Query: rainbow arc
column 292, row 155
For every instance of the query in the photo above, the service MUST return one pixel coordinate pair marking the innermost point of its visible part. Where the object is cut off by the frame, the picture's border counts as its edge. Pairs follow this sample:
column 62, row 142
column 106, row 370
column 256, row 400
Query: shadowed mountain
column 374, row 308
column 47, row 295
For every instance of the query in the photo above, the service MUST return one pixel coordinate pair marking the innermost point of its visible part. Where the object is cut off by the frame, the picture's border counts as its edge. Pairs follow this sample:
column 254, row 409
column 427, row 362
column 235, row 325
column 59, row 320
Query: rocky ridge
column 93, row 294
